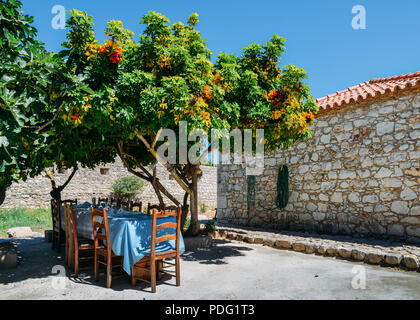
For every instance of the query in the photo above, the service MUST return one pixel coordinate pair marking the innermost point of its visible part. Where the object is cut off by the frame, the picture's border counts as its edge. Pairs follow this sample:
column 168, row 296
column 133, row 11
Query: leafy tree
column 27, row 76
column 35, row 85
column 167, row 77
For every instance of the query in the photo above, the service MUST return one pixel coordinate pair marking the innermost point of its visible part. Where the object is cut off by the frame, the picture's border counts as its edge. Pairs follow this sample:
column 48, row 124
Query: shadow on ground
column 37, row 259
column 216, row 254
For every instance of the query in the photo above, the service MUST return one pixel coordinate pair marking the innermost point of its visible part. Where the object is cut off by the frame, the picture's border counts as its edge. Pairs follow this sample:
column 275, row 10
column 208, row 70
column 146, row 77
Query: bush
column 125, row 188
column 211, row 226
column 203, row 208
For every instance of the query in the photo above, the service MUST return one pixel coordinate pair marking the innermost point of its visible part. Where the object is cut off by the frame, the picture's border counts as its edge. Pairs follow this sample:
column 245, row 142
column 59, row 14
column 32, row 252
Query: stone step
column 367, row 253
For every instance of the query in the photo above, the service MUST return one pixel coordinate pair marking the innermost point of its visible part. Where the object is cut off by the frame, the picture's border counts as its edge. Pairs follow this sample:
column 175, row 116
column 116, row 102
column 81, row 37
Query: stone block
column 299, row 246
column 393, row 259
column 344, row 252
column 283, row 244
column 375, row 257
column 358, row 254
column 410, row 261
column 192, row 243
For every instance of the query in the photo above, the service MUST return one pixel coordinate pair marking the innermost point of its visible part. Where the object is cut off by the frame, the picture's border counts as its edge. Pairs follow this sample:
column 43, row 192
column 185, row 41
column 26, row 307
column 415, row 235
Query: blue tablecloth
column 130, row 235
column 130, row 232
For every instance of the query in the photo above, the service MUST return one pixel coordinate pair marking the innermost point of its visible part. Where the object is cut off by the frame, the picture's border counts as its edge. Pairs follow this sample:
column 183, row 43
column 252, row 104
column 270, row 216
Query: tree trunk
column 185, row 209
column 157, row 190
column 2, row 194
column 194, row 228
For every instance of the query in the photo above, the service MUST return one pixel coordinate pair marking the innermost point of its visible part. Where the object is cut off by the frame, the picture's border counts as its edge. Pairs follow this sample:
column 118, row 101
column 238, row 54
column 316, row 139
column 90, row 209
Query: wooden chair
column 103, row 252
column 71, row 201
column 134, row 205
column 102, row 201
column 172, row 208
column 77, row 250
column 154, row 258
column 150, row 207
column 56, row 224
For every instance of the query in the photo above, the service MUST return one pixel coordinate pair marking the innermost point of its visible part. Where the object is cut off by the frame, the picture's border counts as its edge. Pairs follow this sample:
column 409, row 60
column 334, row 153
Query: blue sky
column 319, row 33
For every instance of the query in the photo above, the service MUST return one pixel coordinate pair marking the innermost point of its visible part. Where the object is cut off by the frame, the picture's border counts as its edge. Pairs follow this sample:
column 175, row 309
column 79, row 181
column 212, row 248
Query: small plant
column 203, row 208
column 187, row 223
column 211, row 226
column 125, row 188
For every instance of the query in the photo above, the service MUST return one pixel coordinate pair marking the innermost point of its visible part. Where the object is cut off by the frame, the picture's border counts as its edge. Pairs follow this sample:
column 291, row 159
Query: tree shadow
column 216, row 254
column 36, row 259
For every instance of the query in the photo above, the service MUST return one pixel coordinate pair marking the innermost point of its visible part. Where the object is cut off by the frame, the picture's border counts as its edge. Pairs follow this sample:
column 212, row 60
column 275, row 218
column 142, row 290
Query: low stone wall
column 34, row 193
column 358, row 174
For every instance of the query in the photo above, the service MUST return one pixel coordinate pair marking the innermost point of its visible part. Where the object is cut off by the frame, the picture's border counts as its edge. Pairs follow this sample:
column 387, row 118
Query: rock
column 383, row 173
column 222, row 235
column 239, row 237
column 393, row 259
column 269, row 242
column 258, row 240
column 19, row 232
column 231, row 236
column 8, row 255
column 283, row 244
column 337, row 197
column 249, row 239
column 375, row 257
column 410, row 261
column 332, row 252
column 408, row 194
column 310, row 248
column 358, row 255
column 344, row 252
column 192, row 243
column 396, row 230
column 298, row 246
column 400, row 207
column 384, row 128
column 321, row 250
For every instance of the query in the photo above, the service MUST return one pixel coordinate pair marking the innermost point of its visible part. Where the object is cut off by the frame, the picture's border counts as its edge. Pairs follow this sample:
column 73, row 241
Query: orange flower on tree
column 76, row 118
column 113, row 50
column 309, row 116
column 206, row 92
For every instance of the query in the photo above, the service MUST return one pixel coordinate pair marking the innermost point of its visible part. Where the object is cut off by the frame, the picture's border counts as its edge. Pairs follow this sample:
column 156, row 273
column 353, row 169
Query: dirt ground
column 229, row 270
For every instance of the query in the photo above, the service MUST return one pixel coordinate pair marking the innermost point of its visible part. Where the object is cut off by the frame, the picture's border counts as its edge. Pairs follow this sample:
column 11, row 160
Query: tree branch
column 167, row 165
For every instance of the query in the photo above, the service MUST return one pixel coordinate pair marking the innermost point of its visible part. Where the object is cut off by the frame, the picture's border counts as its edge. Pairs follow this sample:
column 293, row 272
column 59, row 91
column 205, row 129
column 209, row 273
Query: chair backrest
column 71, row 201
column 70, row 221
column 102, row 200
column 103, row 225
column 172, row 208
column 150, row 207
column 136, row 205
column 56, row 213
column 166, row 225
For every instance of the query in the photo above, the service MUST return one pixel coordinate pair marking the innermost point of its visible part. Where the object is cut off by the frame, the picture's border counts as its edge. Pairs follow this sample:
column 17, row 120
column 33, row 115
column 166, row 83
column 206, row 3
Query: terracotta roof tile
column 372, row 89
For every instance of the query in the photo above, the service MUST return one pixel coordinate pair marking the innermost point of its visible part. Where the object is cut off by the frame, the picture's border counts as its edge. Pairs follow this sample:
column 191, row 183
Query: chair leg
column 178, row 273
column 153, row 275
column 96, row 267
column 108, row 272
column 76, row 262
column 133, row 277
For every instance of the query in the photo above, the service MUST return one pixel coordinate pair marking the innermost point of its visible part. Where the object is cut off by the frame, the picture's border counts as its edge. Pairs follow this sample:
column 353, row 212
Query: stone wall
column 358, row 174
column 34, row 193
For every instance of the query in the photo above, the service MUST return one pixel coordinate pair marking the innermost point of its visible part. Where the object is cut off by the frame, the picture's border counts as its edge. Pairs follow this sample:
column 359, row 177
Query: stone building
column 34, row 193
column 359, row 173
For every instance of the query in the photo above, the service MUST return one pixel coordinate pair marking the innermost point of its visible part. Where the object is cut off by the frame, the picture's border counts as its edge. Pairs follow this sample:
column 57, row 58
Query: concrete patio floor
column 229, row 270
